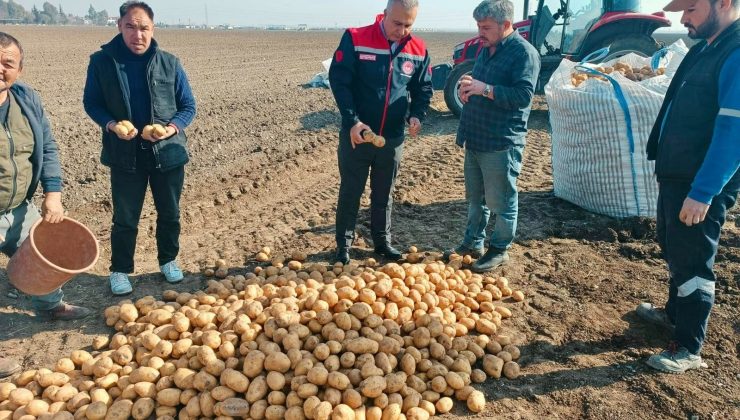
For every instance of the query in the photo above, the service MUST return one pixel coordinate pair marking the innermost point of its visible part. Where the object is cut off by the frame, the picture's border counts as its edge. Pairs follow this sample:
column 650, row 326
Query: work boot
column 463, row 250
column 648, row 312
column 64, row 312
column 387, row 251
column 493, row 258
column 342, row 256
column 675, row 359
column 8, row 367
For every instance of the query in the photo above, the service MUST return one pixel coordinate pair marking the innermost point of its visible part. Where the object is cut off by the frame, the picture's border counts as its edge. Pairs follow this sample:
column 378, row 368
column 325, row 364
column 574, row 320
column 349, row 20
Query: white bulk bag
column 599, row 133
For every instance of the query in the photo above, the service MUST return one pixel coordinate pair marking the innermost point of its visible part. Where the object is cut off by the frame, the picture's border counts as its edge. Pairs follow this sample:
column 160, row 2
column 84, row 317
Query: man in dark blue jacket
column 131, row 79
column 695, row 143
column 375, row 71
column 28, row 156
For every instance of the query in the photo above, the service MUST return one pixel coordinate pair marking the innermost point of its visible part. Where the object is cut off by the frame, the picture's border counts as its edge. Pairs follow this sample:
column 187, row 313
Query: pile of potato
column 636, row 74
column 288, row 341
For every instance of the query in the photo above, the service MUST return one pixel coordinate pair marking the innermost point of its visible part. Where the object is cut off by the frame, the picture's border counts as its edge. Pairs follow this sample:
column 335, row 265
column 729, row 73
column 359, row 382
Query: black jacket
column 380, row 88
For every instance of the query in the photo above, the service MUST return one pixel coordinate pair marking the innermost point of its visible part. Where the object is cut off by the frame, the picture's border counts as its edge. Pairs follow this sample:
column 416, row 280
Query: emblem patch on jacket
column 368, row 57
column 407, row 67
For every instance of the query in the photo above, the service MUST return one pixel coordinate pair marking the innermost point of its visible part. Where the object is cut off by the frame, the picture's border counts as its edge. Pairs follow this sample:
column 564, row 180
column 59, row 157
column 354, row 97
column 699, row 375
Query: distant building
column 112, row 21
column 302, row 27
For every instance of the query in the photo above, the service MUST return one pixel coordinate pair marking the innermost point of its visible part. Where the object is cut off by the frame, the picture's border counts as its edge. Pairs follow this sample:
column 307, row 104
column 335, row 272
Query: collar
column 507, row 39
column 118, row 49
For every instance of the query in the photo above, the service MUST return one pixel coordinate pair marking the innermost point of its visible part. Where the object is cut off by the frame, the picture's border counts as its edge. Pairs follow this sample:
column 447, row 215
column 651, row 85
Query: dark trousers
column 382, row 165
column 690, row 253
column 128, row 190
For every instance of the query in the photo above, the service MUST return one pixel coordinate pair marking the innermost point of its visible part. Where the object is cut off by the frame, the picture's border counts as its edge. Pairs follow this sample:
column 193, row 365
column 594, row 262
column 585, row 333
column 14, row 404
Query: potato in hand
column 154, row 132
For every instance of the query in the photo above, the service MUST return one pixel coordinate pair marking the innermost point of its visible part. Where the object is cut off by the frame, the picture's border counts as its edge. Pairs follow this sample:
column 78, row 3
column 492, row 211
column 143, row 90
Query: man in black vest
column 695, row 143
column 131, row 81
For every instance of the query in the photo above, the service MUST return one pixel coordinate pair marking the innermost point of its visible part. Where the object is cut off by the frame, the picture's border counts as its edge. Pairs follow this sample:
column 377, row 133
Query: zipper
column 155, row 148
column 15, row 166
column 387, row 93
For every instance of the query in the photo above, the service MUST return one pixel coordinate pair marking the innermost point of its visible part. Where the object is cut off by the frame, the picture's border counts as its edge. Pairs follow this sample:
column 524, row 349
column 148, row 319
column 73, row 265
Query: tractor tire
column 453, row 82
column 641, row 45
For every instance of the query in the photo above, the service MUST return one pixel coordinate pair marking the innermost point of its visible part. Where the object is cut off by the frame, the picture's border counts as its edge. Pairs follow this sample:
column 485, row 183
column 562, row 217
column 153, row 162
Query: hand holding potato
column 355, row 134
column 157, row 132
column 123, row 129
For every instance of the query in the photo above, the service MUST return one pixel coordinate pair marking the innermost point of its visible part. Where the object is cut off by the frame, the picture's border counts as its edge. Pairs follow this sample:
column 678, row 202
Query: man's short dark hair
column 7, row 40
column 125, row 7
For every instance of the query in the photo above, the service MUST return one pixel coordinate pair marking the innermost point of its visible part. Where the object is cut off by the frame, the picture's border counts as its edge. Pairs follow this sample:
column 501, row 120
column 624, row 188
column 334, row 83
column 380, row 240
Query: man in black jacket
column 28, row 158
column 131, row 79
column 696, row 147
column 373, row 73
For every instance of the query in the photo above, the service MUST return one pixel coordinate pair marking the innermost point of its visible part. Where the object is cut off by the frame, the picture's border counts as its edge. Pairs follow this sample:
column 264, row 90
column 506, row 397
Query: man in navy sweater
column 132, row 79
column 696, row 148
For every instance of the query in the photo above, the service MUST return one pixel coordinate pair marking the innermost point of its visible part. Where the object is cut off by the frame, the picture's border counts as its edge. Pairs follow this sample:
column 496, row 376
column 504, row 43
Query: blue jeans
column 490, row 187
column 690, row 254
column 15, row 226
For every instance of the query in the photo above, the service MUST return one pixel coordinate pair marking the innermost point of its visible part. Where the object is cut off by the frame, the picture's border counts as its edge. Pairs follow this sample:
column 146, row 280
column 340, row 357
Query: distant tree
column 63, row 18
column 91, row 13
column 51, row 13
column 102, row 18
column 16, row 11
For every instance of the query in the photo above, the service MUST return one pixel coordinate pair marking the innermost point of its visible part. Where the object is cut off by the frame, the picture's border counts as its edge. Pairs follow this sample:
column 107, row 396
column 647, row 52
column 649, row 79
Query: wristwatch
column 487, row 91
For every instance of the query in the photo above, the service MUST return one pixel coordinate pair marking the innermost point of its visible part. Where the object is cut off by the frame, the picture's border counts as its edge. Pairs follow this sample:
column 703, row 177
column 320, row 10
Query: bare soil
column 263, row 172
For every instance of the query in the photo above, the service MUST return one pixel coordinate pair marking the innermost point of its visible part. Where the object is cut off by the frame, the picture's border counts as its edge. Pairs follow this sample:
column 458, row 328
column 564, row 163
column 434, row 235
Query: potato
column 373, row 386
column 257, row 389
column 97, row 410
column 318, row 375
column 476, row 402
column 492, row 365
column 120, row 410
column 254, row 363
column 275, row 380
column 233, row 407
column 513, row 351
column 338, row 380
column 277, row 362
column 235, row 380
column 20, row 396
column 142, row 408
column 518, row 296
column 361, row 345
column 511, row 370
column 323, row 411
column 392, row 412
column 169, row 397
column 37, row 408
column 444, row 405
column 295, row 413
column 417, row 413
column 5, row 389
column 144, row 374
column 343, row 412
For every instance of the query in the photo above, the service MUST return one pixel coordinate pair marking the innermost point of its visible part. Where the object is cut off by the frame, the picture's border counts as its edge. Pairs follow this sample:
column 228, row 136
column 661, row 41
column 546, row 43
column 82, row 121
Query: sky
column 433, row 14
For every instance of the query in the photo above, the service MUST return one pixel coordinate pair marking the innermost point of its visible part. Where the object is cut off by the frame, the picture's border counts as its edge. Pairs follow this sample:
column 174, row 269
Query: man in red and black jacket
column 381, row 80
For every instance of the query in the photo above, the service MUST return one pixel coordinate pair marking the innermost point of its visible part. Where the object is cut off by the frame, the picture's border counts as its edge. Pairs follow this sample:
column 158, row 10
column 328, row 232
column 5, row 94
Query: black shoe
column 462, row 251
column 493, row 258
column 64, row 312
column 342, row 256
column 387, row 251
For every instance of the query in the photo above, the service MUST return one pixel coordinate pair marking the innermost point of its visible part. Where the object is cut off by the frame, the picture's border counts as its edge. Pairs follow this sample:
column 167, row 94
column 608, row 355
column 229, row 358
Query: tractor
column 569, row 29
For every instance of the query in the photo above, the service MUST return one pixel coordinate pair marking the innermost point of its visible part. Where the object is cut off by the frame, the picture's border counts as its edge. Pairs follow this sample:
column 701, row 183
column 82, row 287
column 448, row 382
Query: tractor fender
column 619, row 25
